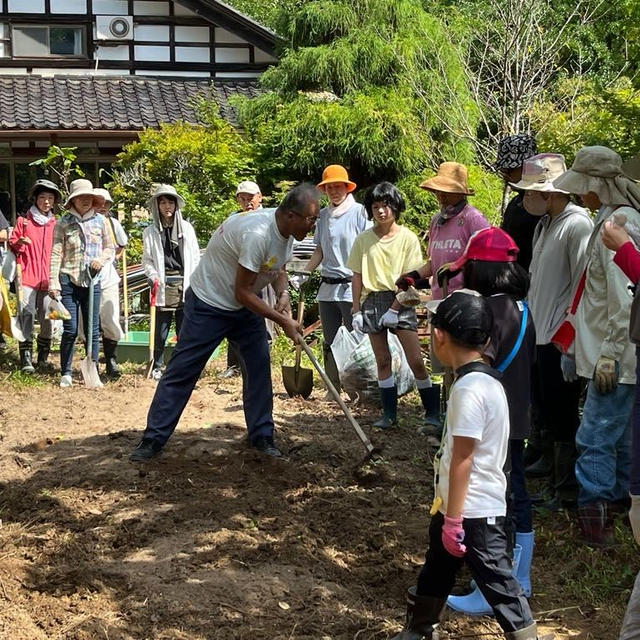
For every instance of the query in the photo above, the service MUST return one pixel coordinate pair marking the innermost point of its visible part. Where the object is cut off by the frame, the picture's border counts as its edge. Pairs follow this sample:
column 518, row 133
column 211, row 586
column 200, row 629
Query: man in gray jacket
column 559, row 254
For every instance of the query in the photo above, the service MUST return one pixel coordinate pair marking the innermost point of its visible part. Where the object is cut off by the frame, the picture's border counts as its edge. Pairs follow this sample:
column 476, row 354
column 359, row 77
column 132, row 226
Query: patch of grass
column 25, row 380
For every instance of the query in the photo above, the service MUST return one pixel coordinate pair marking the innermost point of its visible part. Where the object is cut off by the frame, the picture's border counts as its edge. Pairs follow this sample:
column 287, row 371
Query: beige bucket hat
column 104, row 194
column 539, row 173
column 166, row 190
column 451, row 178
column 79, row 187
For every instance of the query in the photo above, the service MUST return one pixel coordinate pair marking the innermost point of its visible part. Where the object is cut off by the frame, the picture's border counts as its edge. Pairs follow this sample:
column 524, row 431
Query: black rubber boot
column 109, row 347
column 44, row 347
column 431, row 402
column 543, row 466
column 423, row 615
column 596, row 530
column 389, row 398
column 26, row 364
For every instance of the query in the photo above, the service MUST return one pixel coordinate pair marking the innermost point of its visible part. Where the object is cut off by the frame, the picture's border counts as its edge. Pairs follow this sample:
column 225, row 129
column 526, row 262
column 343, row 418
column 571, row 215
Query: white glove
column 297, row 280
column 634, row 517
column 568, row 366
column 357, row 322
column 389, row 319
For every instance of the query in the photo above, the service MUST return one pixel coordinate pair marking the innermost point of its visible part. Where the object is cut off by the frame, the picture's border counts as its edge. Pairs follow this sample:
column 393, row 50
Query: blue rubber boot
column 474, row 603
column 525, row 540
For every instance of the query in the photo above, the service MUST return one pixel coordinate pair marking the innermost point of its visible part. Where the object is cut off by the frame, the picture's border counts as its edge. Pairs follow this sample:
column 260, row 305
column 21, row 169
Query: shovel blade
column 297, row 381
column 16, row 330
column 90, row 374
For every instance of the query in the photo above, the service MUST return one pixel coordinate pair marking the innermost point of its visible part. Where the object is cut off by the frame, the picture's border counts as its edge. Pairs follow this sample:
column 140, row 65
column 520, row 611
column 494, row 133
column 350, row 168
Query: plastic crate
column 135, row 347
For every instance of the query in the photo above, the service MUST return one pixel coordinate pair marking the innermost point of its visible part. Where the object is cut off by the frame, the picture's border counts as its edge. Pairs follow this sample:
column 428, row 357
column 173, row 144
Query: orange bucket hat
column 336, row 173
column 451, row 178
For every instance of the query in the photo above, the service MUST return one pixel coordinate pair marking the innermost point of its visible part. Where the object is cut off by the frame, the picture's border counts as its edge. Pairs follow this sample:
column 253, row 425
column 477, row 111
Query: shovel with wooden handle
column 16, row 322
column 298, row 381
column 153, row 291
column 125, row 294
column 88, row 366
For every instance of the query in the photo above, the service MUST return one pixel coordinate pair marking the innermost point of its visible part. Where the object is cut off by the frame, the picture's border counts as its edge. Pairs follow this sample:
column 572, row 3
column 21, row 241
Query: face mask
column 535, row 203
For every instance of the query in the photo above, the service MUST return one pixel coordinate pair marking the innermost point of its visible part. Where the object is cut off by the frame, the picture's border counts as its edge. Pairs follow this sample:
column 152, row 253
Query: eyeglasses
column 310, row 220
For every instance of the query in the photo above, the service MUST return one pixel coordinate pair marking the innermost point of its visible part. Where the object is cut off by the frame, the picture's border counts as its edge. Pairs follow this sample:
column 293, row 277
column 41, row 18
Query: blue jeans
column 203, row 329
column 604, row 445
column 76, row 300
column 163, row 324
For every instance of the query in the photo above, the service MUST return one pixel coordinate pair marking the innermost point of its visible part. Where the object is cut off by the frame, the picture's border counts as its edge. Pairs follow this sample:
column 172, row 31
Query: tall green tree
column 376, row 85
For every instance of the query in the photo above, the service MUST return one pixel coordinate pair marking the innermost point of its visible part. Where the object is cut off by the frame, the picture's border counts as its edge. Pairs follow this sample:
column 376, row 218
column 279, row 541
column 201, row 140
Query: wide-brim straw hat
column 336, row 173
column 79, row 187
column 539, row 173
column 166, row 190
column 104, row 194
column 451, row 178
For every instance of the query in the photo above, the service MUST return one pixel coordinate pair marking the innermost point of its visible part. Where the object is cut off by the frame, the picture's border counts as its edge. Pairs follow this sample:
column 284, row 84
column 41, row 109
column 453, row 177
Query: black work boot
column 145, row 451
column 431, row 402
column 266, row 445
column 109, row 347
column 389, row 398
column 44, row 347
column 423, row 616
column 565, row 485
column 543, row 466
column 26, row 365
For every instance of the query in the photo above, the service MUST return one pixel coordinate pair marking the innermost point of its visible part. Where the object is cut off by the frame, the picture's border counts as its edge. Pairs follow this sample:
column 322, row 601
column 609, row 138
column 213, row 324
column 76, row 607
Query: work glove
column 389, row 319
column 568, row 366
column 634, row 517
column 407, row 280
column 445, row 272
column 357, row 322
column 605, row 377
column 453, row 536
column 297, row 280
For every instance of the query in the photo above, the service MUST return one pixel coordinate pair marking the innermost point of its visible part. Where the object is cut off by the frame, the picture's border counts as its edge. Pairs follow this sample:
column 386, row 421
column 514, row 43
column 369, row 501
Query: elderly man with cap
column 244, row 254
column 559, row 255
column 339, row 223
column 516, row 220
column 31, row 241
column 249, row 198
column 604, row 353
column 110, row 281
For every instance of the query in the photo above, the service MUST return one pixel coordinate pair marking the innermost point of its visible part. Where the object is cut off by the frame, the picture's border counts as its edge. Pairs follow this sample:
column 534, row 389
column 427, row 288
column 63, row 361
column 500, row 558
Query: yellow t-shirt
column 382, row 262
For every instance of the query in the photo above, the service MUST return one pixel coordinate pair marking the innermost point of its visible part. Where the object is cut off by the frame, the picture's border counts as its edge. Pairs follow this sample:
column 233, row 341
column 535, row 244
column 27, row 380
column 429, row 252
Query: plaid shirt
column 76, row 243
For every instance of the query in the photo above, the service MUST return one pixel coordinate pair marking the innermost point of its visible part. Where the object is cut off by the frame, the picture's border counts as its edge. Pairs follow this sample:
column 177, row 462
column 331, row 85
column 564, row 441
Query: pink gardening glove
column 452, row 536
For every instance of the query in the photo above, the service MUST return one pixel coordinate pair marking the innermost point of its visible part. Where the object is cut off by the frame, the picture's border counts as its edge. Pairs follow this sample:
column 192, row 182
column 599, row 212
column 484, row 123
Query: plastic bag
column 357, row 364
column 57, row 311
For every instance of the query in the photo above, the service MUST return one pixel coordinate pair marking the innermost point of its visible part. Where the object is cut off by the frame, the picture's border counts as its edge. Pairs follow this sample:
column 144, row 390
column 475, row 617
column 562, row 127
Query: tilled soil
column 213, row 540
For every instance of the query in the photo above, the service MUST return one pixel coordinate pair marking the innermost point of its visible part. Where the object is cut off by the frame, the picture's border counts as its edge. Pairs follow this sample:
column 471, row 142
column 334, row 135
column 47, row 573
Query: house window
column 31, row 41
column 4, row 40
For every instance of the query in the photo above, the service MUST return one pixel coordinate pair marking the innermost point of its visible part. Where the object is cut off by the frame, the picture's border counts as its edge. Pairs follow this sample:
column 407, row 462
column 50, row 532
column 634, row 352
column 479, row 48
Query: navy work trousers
column 203, row 328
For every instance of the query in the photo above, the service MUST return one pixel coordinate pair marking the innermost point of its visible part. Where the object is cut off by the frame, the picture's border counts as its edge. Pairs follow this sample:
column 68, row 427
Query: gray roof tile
column 109, row 103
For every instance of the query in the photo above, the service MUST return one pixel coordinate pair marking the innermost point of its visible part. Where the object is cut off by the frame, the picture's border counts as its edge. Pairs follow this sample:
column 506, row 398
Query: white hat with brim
column 166, row 190
column 104, row 194
column 600, row 170
column 539, row 173
column 80, row 187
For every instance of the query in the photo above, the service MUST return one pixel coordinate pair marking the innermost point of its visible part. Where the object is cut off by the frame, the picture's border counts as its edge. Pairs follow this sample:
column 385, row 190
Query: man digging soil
column 245, row 254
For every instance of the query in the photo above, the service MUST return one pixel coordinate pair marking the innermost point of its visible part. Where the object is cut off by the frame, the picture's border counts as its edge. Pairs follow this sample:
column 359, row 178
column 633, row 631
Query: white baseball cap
column 247, row 186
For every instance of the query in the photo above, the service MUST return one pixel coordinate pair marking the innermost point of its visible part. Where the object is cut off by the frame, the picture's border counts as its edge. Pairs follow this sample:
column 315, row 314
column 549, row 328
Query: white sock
column 423, row 384
column 387, row 383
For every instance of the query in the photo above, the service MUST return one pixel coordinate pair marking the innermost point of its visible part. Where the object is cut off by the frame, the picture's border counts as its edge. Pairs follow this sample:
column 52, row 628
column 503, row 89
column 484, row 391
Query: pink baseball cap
column 488, row 245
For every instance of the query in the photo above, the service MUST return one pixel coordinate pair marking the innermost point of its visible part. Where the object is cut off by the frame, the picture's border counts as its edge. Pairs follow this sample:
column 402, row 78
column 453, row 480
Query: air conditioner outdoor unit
column 114, row 27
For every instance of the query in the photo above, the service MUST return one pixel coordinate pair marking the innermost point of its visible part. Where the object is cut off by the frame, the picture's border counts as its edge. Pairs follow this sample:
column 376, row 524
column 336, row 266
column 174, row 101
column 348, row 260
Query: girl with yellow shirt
column 378, row 257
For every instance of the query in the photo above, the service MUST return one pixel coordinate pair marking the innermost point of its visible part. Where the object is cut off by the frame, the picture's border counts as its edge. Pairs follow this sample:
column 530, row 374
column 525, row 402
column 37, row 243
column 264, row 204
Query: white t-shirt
column 109, row 276
column 478, row 409
column 251, row 240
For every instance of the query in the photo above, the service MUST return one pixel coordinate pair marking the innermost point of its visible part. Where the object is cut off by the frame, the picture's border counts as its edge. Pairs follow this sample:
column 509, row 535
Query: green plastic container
column 135, row 348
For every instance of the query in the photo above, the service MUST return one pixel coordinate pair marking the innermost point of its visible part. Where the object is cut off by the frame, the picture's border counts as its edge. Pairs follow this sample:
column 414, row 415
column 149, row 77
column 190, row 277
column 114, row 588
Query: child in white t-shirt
column 469, row 506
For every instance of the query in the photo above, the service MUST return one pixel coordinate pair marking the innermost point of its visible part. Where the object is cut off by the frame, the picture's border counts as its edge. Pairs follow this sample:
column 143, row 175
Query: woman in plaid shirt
column 82, row 245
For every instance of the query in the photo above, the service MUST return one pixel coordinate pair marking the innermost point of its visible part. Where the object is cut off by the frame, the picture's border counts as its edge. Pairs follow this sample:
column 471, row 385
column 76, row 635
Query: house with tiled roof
column 91, row 74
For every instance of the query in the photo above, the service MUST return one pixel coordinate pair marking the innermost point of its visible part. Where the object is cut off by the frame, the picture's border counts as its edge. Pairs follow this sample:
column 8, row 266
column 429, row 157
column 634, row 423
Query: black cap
column 465, row 315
